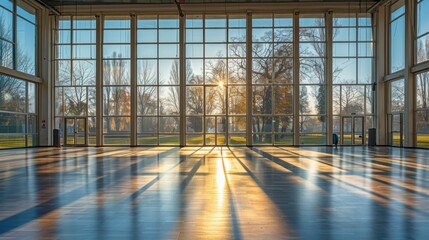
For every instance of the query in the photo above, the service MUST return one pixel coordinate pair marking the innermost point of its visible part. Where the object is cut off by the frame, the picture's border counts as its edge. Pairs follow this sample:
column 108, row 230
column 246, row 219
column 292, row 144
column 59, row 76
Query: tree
column 116, row 97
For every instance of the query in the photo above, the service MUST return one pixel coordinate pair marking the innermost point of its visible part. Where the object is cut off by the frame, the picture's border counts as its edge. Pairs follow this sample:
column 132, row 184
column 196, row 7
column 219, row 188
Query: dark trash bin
column 371, row 137
column 56, row 138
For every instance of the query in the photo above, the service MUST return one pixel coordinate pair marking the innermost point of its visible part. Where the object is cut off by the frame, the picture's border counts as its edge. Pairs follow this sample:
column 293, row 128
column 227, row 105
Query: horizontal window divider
column 395, row 75
column 420, row 67
column 76, row 44
column 20, row 75
column 11, row 112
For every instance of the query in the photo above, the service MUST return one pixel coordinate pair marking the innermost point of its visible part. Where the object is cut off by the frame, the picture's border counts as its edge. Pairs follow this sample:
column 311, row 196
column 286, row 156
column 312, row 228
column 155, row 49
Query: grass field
column 15, row 141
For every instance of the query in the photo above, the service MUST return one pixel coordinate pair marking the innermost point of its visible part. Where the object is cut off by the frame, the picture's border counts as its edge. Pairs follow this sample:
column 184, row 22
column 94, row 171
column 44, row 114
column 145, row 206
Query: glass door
column 75, row 129
column 358, row 131
column 396, row 129
column 352, row 130
column 215, row 130
column 346, row 130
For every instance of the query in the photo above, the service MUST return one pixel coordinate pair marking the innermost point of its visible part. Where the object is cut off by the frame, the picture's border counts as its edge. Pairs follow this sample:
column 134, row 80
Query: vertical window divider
column 99, row 80
column 249, row 88
column 296, row 66
column 329, row 77
column 182, row 81
column 133, row 76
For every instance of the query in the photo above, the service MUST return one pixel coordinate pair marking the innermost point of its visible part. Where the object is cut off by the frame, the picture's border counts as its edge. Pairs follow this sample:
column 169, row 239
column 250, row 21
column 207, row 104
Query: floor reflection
column 214, row 193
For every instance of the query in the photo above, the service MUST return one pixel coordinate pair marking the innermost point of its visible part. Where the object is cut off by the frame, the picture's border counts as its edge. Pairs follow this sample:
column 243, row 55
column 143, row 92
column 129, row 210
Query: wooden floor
column 214, row 193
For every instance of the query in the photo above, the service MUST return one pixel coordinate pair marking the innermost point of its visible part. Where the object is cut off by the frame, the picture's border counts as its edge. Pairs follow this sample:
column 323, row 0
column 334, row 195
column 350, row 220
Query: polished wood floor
column 214, row 193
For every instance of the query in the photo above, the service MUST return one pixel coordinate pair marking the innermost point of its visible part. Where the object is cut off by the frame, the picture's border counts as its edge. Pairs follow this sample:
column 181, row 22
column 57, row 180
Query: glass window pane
column 422, row 93
column 6, row 20
column 194, row 100
column 169, row 72
column 84, row 22
column 147, row 72
column 172, row 22
column 262, row 99
column 116, row 22
column 312, row 100
column 423, row 48
column 344, row 70
column 168, row 35
column 147, row 124
column 116, row 72
column 26, row 46
column 237, row 99
column 83, row 36
column 169, row 100
column 215, row 35
column 8, row 4
column 312, row 70
column 12, row 94
column 116, row 101
column 116, row 51
column 194, row 21
column 422, row 20
column 169, row 124
column 215, row 21
column 365, row 75
column 168, row 50
column 147, row 100
column 283, row 99
column 147, row 22
column 31, row 97
column 147, row 51
column 147, row 36
column 84, row 72
column 397, row 45
column 84, row 52
column 6, row 54
column 26, row 11
column 116, row 36
column 194, row 35
column 397, row 96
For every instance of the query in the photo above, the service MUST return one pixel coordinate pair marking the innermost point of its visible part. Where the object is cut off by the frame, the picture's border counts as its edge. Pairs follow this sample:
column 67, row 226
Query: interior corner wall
column 45, row 97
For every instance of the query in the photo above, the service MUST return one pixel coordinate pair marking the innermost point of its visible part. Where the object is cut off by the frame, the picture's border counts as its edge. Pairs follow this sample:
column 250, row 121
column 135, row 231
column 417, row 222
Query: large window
column 312, row 79
column 422, row 109
column 75, row 62
column 272, row 79
column 139, row 80
column 396, row 112
column 116, row 80
column 215, row 80
column 158, row 80
column 397, row 36
column 18, row 33
column 422, row 31
column 18, row 119
column 352, row 75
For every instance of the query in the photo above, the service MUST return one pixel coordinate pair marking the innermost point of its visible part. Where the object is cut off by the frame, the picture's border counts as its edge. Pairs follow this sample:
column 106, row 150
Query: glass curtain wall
column 18, row 119
column 422, row 45
column 312, row 79
column 215, row 80
column 158, row 80
column 422, row 109
column 215, row 77
column 18, row 34
column 116, row 80
column 272, row 79
column 75, row 63
column 397, row 36
column 396, row 112
column 352, row 76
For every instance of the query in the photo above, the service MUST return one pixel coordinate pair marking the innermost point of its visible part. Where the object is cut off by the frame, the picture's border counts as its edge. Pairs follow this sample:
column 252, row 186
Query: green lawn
column 15, row 141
